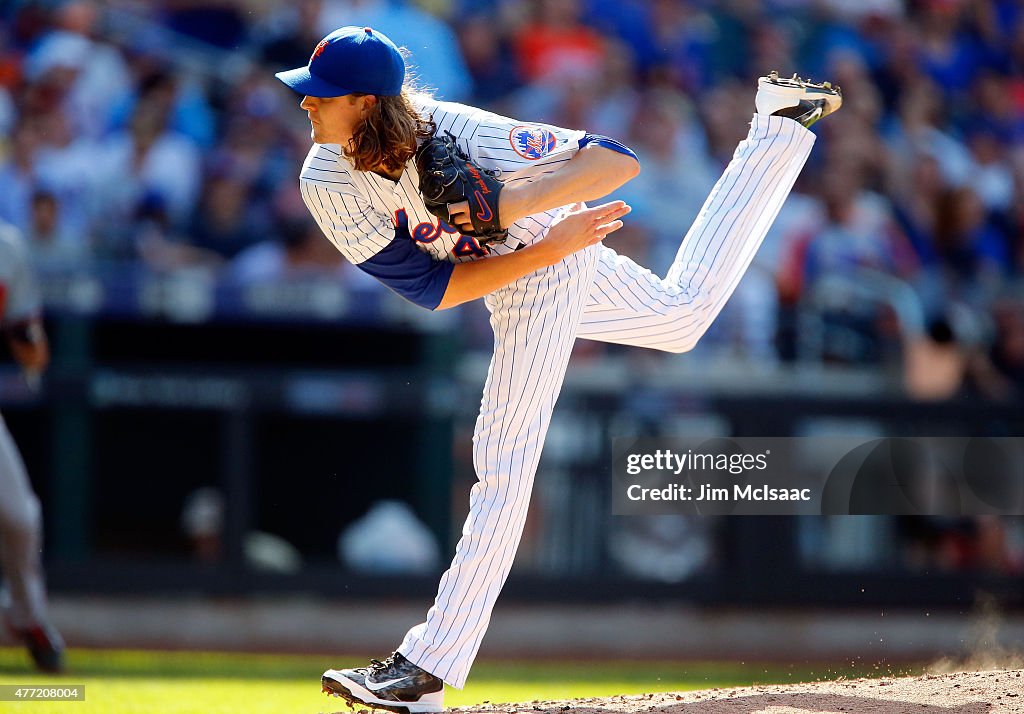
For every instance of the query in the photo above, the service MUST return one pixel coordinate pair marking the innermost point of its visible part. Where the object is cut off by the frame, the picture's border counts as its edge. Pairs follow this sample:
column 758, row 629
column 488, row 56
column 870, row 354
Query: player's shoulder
column 325, row 165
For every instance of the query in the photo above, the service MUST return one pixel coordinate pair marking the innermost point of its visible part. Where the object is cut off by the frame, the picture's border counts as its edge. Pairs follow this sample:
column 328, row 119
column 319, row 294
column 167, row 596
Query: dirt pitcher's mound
column 998, row 692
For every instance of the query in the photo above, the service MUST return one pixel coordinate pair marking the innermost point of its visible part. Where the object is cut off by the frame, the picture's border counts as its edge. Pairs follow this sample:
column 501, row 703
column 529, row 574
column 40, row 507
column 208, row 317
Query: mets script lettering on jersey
column 427, row 232
column 532, row 142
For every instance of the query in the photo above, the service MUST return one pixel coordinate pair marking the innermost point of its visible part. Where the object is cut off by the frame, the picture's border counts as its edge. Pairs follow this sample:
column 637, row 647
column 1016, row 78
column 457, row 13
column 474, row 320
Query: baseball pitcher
column 446, row 203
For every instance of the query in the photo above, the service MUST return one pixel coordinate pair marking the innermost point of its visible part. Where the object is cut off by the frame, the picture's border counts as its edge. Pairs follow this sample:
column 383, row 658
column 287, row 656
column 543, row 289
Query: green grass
column 130, row 682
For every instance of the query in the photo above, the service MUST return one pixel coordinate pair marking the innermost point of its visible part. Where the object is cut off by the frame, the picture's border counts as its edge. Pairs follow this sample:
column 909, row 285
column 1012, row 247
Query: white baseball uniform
column 24, row 594
column 594, row 293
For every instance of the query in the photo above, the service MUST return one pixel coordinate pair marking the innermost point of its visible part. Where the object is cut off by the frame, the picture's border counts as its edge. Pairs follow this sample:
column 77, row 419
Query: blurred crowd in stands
column 154, row 134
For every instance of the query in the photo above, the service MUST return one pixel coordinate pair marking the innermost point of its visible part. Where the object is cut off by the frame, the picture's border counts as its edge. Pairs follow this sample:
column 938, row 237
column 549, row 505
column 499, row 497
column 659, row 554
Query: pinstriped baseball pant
column 20, row 539
column 595, row 294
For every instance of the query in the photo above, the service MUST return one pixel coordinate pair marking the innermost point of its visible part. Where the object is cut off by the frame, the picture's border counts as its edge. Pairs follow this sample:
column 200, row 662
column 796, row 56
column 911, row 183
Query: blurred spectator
column 554, row 44
column 188, row 112
column 676, row 172
column 918, row 189
column 996, row 112
column 916, row 129
column 991, row 177
column 17, row 174
column 160, row 246
column 66, row 164
column 146, row 159
column 91, row 73
column 224, row 223
column 488, row 58
column 948, row 51
column 618, row 94
column 683, row 42
column 53, row 249
column 862, row 100
column 973, row 253
column 772, row 46
column 300, row 254
column 725, row 112
column 858, row 231
column 44, row 154
column 254, row 143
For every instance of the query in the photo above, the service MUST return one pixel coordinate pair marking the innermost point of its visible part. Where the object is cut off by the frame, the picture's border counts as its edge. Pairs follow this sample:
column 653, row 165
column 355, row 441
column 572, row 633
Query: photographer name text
column 707, row 492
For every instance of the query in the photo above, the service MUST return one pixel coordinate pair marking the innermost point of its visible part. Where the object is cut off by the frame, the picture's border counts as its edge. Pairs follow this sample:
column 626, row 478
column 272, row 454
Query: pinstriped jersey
column 19, row 293
column 360, row 211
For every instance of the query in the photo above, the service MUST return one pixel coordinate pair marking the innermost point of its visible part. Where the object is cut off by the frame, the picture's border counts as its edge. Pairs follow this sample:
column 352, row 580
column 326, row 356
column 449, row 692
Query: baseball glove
column 448, row 176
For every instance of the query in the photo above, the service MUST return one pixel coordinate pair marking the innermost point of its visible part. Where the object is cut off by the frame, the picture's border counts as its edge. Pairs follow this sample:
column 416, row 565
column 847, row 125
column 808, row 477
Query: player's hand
column 460, row 216
column 582, row 227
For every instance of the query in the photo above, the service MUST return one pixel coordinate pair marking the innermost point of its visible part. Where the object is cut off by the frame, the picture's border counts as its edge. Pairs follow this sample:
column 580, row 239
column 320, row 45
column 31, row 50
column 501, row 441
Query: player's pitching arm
column 593, row 172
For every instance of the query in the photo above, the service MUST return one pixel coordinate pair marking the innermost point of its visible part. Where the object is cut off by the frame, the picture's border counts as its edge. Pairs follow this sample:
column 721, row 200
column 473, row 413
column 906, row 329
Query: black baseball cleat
column 395, row 684
column 796, row 98
column 45, row 646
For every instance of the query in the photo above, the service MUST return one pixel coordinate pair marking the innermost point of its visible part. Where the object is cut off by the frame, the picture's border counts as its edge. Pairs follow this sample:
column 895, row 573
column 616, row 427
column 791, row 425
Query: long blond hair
column 387, row 137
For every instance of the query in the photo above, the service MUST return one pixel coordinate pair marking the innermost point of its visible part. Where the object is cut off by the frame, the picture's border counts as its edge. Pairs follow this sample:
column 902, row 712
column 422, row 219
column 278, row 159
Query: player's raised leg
column 628, row 304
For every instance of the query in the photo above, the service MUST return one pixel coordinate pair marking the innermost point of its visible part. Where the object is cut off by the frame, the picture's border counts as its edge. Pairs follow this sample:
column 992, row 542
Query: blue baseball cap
column 350, row 59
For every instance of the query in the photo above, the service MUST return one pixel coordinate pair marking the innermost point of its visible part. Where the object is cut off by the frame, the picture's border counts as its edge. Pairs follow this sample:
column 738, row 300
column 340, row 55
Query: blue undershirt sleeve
column 606, row 143
column 410, row 272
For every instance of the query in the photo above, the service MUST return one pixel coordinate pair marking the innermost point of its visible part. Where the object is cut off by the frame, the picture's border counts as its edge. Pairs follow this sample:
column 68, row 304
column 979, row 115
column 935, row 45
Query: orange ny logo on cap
column 319, row 49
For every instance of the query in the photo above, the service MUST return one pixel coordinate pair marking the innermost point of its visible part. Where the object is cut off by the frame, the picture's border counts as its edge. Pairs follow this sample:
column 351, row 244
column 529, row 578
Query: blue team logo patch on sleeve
column 532, row 142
